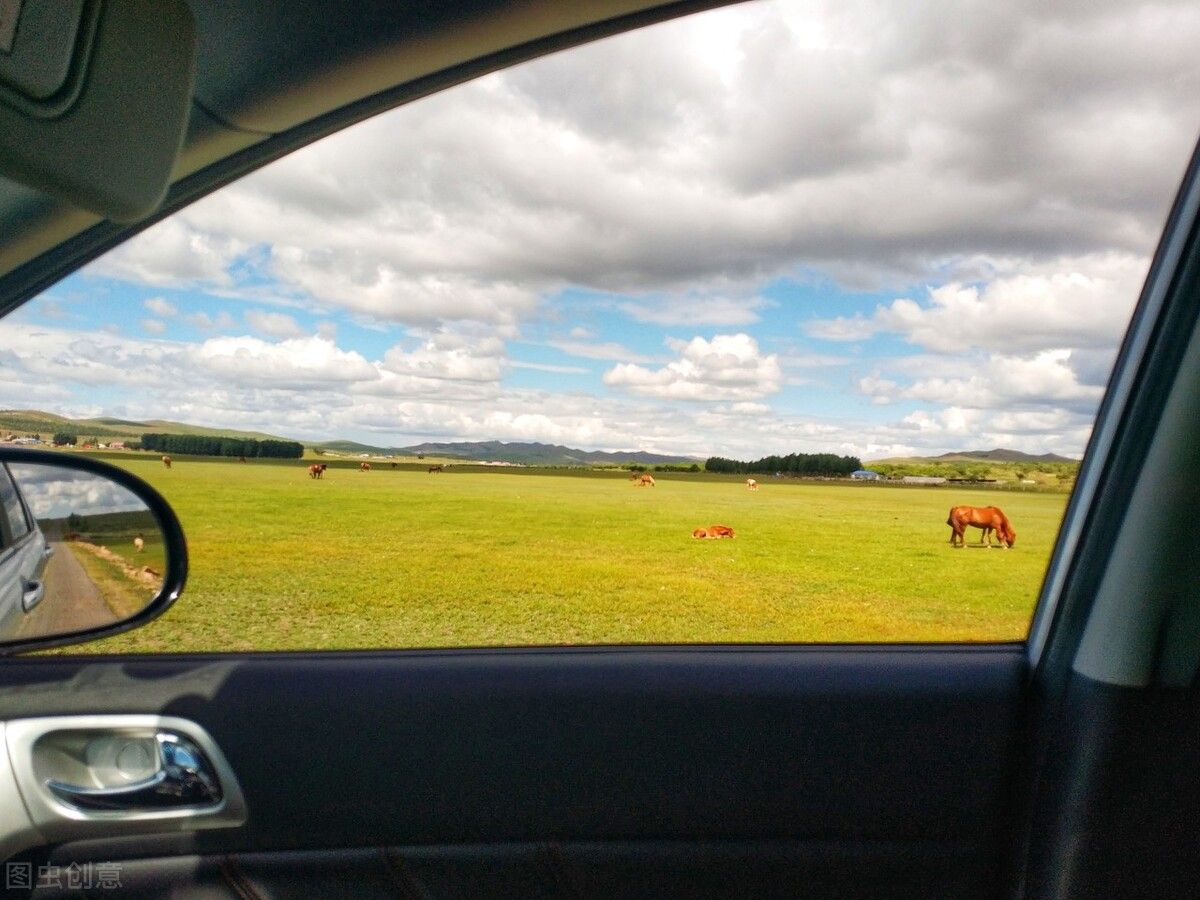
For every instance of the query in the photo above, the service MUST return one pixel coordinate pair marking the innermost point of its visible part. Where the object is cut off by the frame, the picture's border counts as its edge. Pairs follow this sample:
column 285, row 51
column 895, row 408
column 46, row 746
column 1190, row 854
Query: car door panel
column 883, row 766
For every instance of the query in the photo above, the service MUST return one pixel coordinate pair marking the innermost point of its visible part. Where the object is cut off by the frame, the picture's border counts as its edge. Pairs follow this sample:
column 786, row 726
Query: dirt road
column 72, row 601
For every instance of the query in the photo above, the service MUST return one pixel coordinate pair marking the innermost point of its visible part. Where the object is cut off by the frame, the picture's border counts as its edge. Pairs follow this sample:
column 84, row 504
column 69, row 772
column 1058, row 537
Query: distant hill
column 354, row 447
column 1002, row 455
column 998, row 455
column 33, row 421
column 535, row 454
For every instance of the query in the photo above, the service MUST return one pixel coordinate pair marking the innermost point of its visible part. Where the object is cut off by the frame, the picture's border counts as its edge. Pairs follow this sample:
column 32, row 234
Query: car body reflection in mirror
column 77, row 551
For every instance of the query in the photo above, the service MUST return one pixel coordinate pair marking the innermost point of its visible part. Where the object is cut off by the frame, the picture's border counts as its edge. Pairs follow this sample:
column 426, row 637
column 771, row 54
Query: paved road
column 72, row 600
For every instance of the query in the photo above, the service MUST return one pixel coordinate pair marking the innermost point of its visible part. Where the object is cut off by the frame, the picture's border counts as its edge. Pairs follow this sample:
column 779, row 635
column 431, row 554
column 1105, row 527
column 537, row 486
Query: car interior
column 1061, row 766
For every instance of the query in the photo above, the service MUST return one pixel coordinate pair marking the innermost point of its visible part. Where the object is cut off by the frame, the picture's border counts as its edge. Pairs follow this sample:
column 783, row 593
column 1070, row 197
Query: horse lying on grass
column 713, row 531
column 989, row 518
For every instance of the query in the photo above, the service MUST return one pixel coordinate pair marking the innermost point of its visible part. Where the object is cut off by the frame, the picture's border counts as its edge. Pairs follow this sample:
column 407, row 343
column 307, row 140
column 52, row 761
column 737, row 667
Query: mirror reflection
column 76, row 551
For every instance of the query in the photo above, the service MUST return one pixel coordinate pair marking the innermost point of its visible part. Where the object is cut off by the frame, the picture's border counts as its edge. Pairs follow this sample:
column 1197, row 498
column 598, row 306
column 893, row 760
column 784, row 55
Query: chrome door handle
column 113, row 775
column 33, row 591
column 184, row 778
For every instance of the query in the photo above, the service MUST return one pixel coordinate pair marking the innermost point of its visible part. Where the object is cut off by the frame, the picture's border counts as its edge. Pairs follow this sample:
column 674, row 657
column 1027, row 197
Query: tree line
column 205, row 445
column 815, row 464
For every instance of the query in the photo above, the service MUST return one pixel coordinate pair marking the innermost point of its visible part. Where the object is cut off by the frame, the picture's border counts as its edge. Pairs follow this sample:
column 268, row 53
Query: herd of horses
column 991, row 520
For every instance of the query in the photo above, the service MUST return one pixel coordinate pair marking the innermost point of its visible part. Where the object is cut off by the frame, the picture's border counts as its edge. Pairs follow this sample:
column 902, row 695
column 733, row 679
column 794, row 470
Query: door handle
column 102, row 776
column 184, row 777
column 34, row 590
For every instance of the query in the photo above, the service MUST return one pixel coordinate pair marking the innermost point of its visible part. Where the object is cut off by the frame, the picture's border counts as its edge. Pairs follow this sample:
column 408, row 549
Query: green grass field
column 406, row 559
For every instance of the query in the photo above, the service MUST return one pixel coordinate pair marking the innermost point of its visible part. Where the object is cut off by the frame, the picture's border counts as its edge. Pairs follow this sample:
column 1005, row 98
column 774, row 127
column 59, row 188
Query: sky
column 877, row 229
column 54, row 493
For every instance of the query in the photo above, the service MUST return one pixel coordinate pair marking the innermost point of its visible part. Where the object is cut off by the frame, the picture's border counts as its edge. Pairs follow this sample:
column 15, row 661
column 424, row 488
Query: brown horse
column 433, row 469
column 166, row 461
column 713, row 531
column 646, row 480
column 987, row 518
column 364, row 467
column 316, row 470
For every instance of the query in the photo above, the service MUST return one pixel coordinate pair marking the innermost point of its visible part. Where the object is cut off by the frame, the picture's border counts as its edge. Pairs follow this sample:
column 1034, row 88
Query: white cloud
column 549, row 367
column 298, row 363
column 881, row 390
column 448, row 355
column 607, row 350
column 274, row 324
column 223, row 321
column 161, row 307
column 1006, row 382
column 173, row 253
column 1068, row 303
column 729, row 366
column 154, row 326
column 692, row 311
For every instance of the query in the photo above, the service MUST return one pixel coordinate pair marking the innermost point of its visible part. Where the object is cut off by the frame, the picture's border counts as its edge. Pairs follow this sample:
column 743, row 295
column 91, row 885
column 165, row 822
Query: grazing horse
column 752, row 484
column 713, row 531
column 364, row 467
column 139, row 543
column 645, row 480
column 316, row 470
column 433, row 469
column 166, row 461
column 987, row 518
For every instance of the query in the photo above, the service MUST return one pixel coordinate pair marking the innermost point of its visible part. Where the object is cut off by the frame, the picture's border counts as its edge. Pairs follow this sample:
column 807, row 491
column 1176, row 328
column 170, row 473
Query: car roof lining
column 288, row 92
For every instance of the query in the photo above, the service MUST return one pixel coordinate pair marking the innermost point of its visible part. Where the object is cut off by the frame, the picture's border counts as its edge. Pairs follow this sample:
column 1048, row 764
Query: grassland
column 400, row 558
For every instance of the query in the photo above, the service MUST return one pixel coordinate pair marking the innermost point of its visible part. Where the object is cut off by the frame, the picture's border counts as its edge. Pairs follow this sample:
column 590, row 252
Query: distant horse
column 644, row 480
column 166, row 461
column 433, row 469
column 139, row 543
column 988, row 518
column 364, row 467
column 316, row 470
column 713, row 531
column 752, row 484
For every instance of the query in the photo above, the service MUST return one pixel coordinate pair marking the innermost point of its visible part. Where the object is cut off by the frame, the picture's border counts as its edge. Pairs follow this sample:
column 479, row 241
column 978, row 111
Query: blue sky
column 934, row 245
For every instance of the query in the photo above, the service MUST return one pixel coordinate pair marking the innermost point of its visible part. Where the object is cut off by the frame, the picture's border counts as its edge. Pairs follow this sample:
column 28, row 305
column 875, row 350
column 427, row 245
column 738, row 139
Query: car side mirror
column 87, row 550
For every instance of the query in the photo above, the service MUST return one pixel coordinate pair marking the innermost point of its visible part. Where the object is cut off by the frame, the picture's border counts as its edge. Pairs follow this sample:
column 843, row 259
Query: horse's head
column 1010, row 535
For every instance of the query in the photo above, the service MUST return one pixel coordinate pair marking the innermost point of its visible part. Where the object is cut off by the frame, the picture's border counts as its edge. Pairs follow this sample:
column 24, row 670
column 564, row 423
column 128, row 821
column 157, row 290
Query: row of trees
column 814, row 464
column 204, row 445
column 662, row 467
